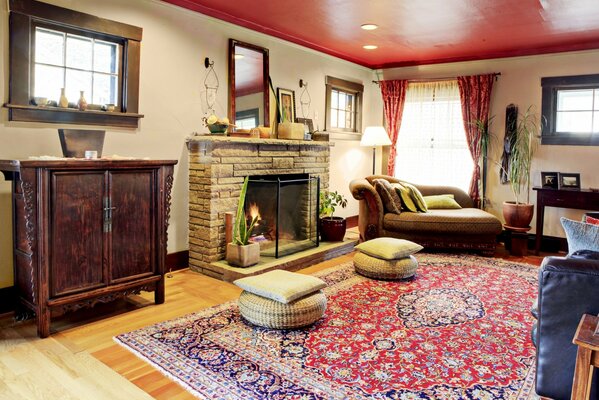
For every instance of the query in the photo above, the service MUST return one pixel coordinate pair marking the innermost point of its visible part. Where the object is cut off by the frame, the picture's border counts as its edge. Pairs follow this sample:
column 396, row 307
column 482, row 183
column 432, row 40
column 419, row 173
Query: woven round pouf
column 377, row 268
column 273, row 314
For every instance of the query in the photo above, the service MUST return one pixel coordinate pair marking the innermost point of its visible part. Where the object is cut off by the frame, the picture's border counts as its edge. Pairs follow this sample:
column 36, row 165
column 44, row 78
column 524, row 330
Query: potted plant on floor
column 332, row 229
column 517, row 213
column 240, row 252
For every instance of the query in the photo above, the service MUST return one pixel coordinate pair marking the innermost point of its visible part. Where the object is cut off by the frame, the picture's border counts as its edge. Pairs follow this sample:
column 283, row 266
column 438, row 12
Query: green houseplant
column 332, row 229
column 523, row 144
column 240, row 251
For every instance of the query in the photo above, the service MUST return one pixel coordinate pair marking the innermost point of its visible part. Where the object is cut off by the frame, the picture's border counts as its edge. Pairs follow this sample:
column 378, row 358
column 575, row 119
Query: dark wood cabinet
column 87, row 231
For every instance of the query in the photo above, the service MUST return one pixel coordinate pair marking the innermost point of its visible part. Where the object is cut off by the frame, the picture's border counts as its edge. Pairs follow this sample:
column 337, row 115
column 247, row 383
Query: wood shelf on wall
column 72, row 116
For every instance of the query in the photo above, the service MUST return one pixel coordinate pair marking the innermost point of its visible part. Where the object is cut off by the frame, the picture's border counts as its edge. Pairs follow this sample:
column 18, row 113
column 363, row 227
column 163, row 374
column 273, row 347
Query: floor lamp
column 375, row 136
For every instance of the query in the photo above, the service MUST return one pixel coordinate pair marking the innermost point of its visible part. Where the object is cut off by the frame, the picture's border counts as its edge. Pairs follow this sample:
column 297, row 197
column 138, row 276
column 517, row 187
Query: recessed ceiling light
column 238, row 56
column 369, row 27
column 370, row 47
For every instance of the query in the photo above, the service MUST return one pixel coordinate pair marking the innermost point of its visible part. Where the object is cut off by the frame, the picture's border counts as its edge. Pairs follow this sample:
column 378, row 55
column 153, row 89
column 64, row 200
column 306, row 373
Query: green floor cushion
column 282, row 286
column 387, row 248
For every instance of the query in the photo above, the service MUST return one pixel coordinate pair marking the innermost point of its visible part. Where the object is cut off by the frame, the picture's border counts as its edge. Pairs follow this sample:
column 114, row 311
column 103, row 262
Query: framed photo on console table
column 549, row 180
column 569, row 181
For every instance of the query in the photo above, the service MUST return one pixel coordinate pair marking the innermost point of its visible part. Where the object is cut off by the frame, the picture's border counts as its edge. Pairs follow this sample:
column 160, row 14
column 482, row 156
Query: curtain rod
column 437, row 79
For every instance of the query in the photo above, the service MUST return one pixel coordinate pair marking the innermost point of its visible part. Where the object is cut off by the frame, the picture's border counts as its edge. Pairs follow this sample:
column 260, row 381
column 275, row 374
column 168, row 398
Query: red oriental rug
column 459, row 330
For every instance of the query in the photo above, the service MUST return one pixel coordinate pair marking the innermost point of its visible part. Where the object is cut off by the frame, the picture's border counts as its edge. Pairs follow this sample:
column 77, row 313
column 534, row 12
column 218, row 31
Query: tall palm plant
column 523, row 146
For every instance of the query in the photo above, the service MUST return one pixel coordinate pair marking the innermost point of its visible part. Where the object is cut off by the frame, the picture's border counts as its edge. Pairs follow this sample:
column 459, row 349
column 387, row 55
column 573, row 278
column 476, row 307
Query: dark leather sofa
column 568, row 288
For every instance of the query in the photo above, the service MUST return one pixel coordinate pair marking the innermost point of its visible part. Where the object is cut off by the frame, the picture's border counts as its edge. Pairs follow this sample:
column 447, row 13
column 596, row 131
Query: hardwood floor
column 81, row 361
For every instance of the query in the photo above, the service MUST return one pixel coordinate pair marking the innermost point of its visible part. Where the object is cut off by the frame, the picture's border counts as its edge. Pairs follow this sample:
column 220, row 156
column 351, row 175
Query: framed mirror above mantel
column 248, row 85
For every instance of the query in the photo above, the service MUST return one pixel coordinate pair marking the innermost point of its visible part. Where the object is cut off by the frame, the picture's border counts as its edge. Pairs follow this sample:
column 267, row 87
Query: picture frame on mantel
column 286, row 98
column 569, row 181
column 308, row 125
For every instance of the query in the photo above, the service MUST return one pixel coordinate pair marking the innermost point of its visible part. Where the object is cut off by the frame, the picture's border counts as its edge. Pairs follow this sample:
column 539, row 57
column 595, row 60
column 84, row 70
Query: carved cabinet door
column 76, row 244
column 132, row 206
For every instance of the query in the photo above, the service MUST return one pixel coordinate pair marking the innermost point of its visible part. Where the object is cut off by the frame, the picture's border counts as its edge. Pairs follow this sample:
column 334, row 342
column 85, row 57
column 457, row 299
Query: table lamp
column 375, row 136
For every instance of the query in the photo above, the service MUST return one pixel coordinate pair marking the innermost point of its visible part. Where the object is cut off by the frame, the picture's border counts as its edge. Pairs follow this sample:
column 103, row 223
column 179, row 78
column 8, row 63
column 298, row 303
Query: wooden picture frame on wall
column 286, row 98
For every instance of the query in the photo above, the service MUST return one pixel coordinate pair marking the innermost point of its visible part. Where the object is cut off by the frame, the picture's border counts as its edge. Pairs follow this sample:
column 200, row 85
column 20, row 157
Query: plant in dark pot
column 332, row 229
column 240, row 251
column 517, row 213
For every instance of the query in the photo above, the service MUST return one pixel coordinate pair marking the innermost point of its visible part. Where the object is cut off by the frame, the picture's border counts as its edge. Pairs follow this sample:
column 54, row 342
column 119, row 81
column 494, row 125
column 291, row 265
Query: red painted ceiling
column 415, row 32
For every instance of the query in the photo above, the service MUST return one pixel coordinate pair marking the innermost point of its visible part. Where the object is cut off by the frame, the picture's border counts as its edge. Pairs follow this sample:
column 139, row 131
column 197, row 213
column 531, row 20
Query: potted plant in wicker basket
column 240, row 252
column 332, row 229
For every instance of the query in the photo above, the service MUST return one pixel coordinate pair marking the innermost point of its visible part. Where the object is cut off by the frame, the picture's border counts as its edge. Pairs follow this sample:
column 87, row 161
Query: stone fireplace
column 217, row 168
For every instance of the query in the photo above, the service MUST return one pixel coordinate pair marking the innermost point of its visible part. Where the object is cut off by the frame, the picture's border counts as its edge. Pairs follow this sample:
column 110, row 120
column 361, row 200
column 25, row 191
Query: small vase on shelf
column 82, row 103
column 63, row 102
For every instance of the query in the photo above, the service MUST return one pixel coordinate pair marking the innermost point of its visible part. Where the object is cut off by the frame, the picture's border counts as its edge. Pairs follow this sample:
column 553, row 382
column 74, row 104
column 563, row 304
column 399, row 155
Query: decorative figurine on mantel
column 82, row 103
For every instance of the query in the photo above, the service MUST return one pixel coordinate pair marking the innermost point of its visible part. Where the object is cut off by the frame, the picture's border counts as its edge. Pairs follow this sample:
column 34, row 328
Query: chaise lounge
column 467, row 228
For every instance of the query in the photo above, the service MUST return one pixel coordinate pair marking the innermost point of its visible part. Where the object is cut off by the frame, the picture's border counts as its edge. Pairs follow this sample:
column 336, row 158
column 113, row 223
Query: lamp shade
column 375, row 136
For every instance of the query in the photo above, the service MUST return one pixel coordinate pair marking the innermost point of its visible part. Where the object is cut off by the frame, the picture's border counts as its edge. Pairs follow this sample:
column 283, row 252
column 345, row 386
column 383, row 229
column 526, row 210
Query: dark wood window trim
column 24, row 14
column 550, row 87
column 347, row 86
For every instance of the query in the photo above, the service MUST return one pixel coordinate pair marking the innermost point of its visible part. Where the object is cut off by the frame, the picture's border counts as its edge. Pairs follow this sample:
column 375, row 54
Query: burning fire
column 254, row 212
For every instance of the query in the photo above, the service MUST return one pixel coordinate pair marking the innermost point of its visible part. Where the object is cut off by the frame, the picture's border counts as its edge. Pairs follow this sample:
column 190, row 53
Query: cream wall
column 520, row 83
column 175, row 42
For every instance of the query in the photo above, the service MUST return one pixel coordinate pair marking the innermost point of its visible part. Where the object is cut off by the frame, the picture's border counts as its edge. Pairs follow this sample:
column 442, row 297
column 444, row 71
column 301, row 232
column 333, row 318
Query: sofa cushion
column 388, row 195
column 585, row 255
column 580, row 235
column 416, row 196
column 406, row 198
column 441, row 201
column 387, row 248
column 470, row 221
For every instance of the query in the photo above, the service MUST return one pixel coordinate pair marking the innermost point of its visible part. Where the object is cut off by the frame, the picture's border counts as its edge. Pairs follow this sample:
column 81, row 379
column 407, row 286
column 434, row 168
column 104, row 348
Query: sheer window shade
column 431, row 145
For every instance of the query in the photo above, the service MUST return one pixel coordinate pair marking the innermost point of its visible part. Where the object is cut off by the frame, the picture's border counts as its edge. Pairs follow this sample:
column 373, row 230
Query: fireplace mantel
column 217, row 168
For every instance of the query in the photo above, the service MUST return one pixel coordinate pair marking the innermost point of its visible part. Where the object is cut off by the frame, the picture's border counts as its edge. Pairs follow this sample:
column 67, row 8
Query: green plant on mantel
column 241, row 230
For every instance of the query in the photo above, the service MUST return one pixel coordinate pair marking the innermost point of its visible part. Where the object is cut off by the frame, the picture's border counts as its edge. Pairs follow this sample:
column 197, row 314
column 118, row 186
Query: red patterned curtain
column 394, row 96
column 475, row 96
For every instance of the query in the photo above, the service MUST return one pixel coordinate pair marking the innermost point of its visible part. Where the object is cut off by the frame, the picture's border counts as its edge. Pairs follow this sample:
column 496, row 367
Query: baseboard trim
column 177, row 261
column 351, row 222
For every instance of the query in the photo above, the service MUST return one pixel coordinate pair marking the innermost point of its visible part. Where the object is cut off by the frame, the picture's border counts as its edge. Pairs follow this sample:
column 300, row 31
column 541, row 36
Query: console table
column 580, row 199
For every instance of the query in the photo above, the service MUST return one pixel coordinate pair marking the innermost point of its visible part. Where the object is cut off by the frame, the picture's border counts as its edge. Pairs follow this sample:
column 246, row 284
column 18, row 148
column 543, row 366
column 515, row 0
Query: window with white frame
column 431, row 147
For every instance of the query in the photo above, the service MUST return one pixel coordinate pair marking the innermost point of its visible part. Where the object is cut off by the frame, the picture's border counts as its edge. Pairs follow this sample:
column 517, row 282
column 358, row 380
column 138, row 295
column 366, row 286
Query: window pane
column 596, row 122
column 574, row 121
column 596, row 104
column 48, row 81
column 342, row 103
column 105, row 89
column 105, row 57
column 76, row 82
column 49, row 47
column 568, row 100
column 341, row 121
column 431, row 146
column 348, row 120
column 334, row 99
column 334, row 118
column 79, row 52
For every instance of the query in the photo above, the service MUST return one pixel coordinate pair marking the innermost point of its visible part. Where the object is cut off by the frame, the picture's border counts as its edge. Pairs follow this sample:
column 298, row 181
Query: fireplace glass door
column 287, row 211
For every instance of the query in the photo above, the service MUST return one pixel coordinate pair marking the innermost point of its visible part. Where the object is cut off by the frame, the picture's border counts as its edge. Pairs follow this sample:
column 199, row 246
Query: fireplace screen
column 287, row 210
